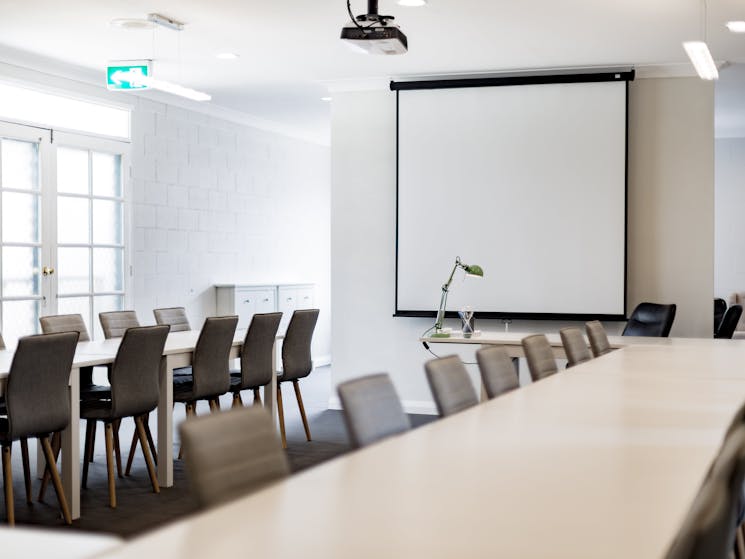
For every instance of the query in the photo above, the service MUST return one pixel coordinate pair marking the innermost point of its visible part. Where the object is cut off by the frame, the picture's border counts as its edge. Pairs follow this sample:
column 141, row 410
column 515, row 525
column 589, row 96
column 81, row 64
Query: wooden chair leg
column 296, row 385
column 257, row 397
column 131, row 457
column 56, row 448
column 149, row 436
column 93, row 438
column 56, row 481
column 109, row 432
column 26, row 470
column 117, row 448
column 280, row 411
column 214, row 405
column 191, row 411
column 8, row 483
column 140, row 430
column 237, row 400
column 86, row 456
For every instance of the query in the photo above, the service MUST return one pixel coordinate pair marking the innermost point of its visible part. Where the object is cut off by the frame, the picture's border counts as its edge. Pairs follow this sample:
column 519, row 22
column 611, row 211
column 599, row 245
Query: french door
column 63, row 227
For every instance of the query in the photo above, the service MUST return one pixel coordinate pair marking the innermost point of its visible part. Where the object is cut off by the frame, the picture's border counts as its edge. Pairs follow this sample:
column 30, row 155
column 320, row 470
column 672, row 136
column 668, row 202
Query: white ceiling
column 289, row 49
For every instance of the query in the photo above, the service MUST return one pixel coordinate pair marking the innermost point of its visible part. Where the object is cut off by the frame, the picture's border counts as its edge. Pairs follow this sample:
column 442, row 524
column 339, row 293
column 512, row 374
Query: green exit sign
column 125, row 77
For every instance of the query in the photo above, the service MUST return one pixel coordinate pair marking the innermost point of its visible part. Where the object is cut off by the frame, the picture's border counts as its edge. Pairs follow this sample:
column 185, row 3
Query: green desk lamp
column 473, row 270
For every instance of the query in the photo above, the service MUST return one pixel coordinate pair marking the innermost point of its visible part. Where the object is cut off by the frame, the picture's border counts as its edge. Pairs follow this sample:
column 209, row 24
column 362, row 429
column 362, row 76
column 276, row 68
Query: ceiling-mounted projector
column 373, row 33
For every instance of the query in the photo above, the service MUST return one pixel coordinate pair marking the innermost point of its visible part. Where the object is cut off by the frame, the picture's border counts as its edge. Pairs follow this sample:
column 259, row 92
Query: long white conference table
column 177, row 353
column 601, row 460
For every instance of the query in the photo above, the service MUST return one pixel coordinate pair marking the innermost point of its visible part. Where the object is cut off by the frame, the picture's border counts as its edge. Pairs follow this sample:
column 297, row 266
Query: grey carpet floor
column 140, row 510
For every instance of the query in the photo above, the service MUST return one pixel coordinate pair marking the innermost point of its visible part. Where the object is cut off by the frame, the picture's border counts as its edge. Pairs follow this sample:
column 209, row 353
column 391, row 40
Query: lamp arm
column 444, row 296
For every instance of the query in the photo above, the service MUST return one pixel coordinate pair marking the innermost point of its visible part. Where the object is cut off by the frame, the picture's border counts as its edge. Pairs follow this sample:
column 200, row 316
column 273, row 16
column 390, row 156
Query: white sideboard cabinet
column 247, row 300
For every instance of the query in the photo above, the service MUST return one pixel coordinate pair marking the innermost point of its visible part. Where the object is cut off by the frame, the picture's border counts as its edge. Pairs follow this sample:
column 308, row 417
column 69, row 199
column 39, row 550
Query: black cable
column 354, row 20
column 426, row 346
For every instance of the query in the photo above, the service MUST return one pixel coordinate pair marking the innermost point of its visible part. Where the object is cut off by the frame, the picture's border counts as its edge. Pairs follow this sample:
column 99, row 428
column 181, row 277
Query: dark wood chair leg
column 26, row 470
column 8, row 483
column 87, row 455
column 117, row 448
column 281, row 412
column 93, row 439
column 296, row 385
column 109, row 432
column 237, row 400
column 140, row 430
column 257, row 397
column 149, row 436
column 131, row 456
column 56, row 481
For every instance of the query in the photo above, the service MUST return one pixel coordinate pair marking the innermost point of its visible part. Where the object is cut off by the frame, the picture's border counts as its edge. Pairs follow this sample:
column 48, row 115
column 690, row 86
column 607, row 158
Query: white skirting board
column 423, row 407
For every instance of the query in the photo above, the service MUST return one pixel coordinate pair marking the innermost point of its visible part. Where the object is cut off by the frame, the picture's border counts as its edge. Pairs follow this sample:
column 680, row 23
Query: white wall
column 730, row 221
column 671, row 124
column 218, row 202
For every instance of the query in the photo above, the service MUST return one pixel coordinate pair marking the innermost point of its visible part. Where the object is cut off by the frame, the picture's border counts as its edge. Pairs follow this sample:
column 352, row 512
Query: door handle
column 47, row 270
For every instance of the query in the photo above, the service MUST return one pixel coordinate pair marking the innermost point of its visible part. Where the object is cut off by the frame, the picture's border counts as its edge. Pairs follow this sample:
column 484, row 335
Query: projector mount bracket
column 372, row 17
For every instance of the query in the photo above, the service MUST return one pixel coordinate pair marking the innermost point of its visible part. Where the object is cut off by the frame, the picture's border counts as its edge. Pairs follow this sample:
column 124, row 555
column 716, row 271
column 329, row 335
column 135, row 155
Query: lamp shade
column 474, row 270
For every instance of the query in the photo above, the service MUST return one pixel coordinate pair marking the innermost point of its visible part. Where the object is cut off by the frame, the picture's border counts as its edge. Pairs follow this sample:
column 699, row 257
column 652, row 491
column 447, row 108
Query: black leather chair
column 720, row 307
column 650, row 319
column 729, row 322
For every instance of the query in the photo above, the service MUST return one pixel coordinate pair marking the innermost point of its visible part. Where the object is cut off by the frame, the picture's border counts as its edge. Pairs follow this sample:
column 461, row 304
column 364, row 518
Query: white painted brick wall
column 216, row 202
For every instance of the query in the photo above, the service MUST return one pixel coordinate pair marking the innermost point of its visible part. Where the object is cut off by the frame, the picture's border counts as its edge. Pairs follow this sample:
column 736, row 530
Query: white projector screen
column 527, row 181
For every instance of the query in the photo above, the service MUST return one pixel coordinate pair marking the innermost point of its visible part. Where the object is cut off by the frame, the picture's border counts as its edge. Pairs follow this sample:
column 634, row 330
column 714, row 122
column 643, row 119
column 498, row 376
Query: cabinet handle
column 289, row 298
column 266, row 300
column 306, row 297
column 247, row 301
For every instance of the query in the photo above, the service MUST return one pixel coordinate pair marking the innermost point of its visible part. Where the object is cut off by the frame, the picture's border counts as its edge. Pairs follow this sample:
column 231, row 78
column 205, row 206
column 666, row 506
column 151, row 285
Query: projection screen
column 529, row 182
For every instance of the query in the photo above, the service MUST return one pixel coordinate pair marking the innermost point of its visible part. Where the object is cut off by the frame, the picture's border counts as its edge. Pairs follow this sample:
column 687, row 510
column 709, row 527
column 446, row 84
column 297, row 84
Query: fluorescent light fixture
column 412, row 3
column 736, row 26
column 137, row 79
column 325, row 98
column 227, row 56
column 131, row 24
column 701, row 59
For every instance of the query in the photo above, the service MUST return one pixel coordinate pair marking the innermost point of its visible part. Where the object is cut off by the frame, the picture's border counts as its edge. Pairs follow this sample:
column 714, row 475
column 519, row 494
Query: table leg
column 165, row 423
column 71, row 448
column 270, row 390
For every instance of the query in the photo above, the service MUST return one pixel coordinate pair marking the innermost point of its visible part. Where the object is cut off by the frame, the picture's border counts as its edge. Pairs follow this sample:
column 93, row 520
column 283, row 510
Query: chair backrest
column 36, row 395
column 598, row 338
column 450, row 385
column 175, row 317
column 540, row 356
column 372, row 410
column 574, row 346
column 258, row 349
column 136, row 368
column 115, row 323
column 497, row 371
column 729, row 322
column 738, row 298
column 720, row 307
column 650, row 319
column 708, row 531
column 2, row 342
column 296, row 359
column 231, row 454
column 65, row 323
column 210, row 367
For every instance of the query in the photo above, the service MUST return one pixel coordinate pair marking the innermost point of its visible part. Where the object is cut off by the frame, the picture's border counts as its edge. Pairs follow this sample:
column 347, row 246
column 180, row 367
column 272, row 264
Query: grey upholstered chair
column 450, row 385
column 134, row 393
column 540, row 356
column 598, row 338
column 175, row 317
column 574, row 346
column 497, row 371
column 231, row 454
column 708, row 531
column 372, row 410
column 115, row 323
column 257, row 357
column 296, row 362
column 650, row 319
column 210, row 367
column 37, row 404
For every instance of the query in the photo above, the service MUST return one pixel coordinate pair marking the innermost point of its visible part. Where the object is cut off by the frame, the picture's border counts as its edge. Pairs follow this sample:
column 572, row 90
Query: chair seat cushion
column 182, row 371
column 4, row 426
column 235, row 383
column 95, row 392
column 96, row 409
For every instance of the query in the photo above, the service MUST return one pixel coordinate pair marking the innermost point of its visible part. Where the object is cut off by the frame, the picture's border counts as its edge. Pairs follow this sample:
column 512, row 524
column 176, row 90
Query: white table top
column 25, row 543
column 602, row 460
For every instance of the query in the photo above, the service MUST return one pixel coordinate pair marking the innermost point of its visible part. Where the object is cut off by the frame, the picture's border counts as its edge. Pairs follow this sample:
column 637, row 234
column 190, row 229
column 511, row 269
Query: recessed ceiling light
column 736, row 26
column 412, row 3
column 325, row 98
column 227, row 56
column 131, row 24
